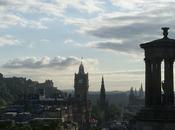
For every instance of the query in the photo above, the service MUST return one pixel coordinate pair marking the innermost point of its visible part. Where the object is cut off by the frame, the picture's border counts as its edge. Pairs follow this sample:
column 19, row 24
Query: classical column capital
column 153, row 60
column 169, row 60
column 157, row 60
column 147, row 60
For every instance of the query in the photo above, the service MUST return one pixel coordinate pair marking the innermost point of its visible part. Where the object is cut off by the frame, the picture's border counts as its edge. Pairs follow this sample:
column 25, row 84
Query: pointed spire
column 102, row 84
column 141, row 90
column 102, row 94
column 102, row 81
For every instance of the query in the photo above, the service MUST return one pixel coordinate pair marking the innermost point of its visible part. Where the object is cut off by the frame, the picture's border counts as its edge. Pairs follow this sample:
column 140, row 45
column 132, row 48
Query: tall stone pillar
column 148, row 86
column 156, row 81
column 152, row 82
column 168, row 83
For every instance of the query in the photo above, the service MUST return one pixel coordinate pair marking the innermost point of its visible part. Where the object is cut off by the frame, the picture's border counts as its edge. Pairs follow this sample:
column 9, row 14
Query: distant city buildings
column 40, row 105
column 42, row 102
column 136, row 100
column 37, row 105
column 136, row 97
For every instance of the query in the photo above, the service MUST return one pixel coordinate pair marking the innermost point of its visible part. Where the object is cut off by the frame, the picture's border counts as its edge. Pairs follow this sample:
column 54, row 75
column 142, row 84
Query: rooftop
column 163, row 42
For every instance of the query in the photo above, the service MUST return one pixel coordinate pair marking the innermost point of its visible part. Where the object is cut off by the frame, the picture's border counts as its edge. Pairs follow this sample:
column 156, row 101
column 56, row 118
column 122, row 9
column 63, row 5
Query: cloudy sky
column 45, row 39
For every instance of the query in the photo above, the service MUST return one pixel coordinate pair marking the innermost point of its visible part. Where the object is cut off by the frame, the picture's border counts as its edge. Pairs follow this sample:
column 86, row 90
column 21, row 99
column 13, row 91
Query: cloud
column 16, row 12
column 73, row 43
column 68, row 41
column 44, row 40
column 124, row 72
column 139, row 5
column 115, row 46
column 46, row 62
column 7, row 20
column 59, row 69
column 54, row 7
column 134, row 24
column 8, row 40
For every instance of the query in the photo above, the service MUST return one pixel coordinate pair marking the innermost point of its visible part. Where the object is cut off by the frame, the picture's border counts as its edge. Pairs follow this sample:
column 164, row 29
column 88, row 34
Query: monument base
column 154, row 118
column 142, row 125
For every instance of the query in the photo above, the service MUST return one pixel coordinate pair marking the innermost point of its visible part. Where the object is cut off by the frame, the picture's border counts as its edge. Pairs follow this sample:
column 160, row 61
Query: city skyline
column 45, row 39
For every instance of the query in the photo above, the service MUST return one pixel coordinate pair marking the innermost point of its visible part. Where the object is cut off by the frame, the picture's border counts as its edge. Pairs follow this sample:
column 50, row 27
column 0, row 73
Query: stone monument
column 159, row 111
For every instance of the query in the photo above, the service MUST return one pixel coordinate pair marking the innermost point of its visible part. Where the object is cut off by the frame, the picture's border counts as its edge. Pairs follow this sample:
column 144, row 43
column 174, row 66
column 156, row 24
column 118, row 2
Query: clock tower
column 82, row 106
column 81, row 84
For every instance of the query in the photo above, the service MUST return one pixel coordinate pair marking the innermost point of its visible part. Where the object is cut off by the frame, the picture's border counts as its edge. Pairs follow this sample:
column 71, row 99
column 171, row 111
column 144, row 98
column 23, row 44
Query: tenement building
column 159, row 111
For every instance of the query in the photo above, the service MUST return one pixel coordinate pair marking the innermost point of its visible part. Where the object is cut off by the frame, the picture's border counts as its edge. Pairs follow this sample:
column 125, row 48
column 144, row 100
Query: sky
column 45, row 39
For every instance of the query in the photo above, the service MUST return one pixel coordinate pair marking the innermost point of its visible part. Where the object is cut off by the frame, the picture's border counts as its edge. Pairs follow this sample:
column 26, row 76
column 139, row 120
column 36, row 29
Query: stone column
column 156, row 81
column 152, row 81
column 148, row 82
column 169, row 85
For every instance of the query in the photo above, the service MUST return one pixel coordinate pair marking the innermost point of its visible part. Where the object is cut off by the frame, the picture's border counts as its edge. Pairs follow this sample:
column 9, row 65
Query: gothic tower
column 102, row 94
column 82, row 104
column 81, row 84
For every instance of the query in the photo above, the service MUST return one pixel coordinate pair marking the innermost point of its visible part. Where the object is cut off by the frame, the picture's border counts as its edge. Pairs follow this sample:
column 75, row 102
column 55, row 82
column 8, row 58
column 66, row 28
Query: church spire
column 102, row 82
column 102, row 85
column 102, row 93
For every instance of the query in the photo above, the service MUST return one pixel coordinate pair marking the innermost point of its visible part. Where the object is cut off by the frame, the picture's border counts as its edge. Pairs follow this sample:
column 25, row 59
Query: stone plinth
column 155, row 118
column 154, row 126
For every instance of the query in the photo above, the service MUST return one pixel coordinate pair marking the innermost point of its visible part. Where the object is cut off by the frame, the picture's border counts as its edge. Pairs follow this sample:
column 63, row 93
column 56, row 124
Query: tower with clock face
column 82, row 106
column 81, row 84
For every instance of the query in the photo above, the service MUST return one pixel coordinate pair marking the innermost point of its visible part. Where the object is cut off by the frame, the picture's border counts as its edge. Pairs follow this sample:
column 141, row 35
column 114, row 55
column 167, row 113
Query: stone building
column 81, row 105
column 81, row 84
